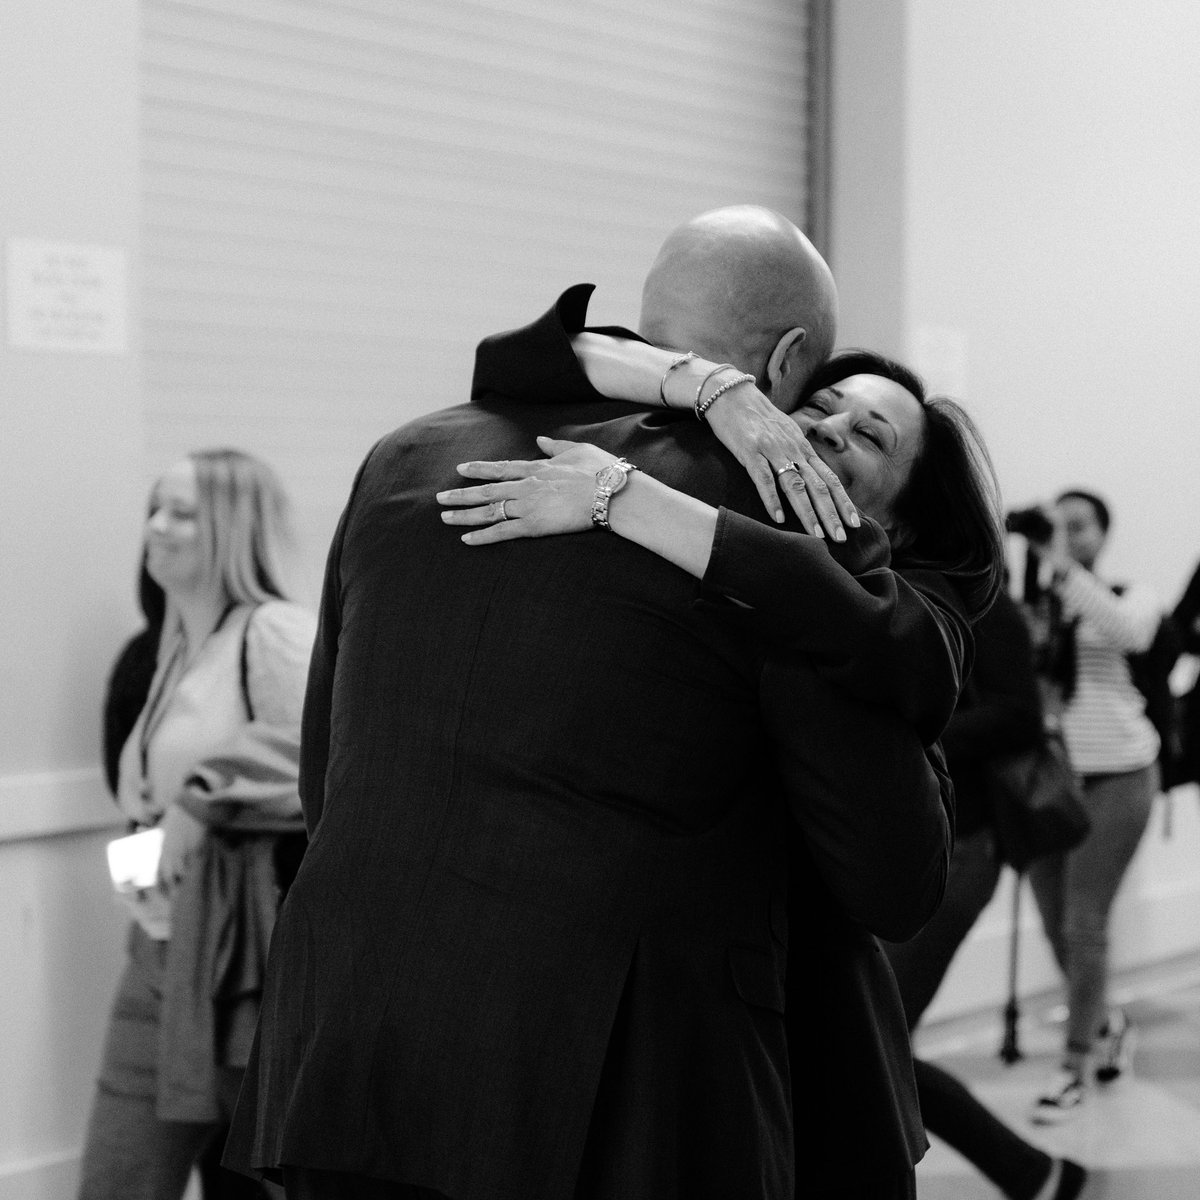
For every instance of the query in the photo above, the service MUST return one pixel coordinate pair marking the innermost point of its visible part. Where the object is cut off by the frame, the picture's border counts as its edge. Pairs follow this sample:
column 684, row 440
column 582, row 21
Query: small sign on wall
column 66, row 297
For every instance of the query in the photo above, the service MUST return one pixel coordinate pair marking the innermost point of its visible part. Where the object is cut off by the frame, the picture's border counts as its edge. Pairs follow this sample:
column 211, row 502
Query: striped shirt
column 1104, row 723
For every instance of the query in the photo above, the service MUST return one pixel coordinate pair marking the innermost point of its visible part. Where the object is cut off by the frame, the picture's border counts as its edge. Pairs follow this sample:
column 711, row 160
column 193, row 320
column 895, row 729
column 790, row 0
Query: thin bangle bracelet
column 678, row 362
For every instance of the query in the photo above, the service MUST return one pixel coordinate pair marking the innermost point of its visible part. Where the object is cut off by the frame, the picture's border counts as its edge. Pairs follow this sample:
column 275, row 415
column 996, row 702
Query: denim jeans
column 1075, row 893
column 129, row 1153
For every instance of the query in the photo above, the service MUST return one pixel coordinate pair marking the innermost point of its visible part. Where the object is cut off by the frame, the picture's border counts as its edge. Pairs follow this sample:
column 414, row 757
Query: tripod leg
column 1010, row 1051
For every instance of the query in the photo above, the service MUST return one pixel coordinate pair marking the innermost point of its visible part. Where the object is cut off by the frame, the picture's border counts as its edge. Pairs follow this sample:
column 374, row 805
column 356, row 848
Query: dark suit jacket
column 536, row 948
column 895, row 638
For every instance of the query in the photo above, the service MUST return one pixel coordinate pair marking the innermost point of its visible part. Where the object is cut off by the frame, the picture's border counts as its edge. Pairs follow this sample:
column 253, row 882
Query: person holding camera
column 1085, row 630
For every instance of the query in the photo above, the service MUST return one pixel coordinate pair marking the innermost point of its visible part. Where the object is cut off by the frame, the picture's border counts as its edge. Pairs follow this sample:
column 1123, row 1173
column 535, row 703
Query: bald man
column 537, row 947
column 743, row 283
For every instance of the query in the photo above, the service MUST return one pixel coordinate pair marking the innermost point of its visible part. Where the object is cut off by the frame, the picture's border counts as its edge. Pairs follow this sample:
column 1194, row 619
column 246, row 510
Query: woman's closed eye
column 865, row 430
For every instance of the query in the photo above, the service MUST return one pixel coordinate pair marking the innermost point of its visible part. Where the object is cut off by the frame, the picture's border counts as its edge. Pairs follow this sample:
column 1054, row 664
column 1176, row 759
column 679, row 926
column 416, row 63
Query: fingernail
column 839, row 535
column 819, row 532
column 466, row 537
column 854, row 520
column 778, row 516
column 440, row 495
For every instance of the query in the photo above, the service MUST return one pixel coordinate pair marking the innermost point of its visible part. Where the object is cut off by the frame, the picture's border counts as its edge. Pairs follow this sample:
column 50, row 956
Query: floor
column 1139, row 1136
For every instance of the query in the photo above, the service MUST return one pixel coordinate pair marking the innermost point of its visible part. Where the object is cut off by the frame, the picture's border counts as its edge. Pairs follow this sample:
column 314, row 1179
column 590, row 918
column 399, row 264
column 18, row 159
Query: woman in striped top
column 1114, row 749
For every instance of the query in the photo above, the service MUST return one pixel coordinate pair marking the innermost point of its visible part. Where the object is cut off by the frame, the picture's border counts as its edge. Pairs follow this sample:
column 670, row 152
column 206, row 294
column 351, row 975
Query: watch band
column 609, row 481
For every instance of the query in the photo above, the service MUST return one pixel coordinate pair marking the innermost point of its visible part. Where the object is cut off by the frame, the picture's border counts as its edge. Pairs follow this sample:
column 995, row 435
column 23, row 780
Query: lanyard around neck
column 159, row 699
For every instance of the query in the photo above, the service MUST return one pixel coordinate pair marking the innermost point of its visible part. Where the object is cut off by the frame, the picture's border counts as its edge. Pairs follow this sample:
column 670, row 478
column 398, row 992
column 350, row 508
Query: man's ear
column 780, row 363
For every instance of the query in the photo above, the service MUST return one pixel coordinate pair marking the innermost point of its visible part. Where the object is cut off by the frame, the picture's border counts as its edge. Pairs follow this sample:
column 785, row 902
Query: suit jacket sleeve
column 875, row 807
column 897, row 639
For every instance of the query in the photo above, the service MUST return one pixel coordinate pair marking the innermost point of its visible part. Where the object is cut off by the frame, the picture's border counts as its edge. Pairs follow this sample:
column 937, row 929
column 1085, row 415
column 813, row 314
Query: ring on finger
column 787, row 466
column 501, row 513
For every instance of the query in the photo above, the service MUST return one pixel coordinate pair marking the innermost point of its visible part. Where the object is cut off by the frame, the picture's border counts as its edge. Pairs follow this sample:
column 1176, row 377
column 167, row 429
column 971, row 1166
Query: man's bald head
column 733, row 284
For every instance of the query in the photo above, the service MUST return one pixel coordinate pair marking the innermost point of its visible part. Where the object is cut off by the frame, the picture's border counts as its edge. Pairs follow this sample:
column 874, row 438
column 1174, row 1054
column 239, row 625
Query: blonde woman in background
column 211, row 761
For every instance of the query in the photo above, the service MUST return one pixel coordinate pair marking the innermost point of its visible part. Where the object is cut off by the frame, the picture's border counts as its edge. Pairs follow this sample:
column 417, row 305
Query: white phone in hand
column 133, row 866
column 133, row 860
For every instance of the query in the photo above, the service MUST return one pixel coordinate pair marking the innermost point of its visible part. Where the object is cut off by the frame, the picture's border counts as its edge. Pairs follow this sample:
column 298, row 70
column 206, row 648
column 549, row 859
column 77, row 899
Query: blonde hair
column 245, row 524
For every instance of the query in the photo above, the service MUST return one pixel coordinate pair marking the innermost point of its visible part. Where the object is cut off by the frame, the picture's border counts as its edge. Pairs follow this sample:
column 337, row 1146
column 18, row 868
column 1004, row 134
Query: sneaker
column 1114, row 1052
column 1061, row 1100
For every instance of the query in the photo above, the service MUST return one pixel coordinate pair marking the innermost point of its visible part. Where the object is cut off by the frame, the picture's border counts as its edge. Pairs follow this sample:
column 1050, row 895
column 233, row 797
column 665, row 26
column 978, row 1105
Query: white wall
column 70, row 501
column 70, row 491
column 1046, row 239
column 1036, row 165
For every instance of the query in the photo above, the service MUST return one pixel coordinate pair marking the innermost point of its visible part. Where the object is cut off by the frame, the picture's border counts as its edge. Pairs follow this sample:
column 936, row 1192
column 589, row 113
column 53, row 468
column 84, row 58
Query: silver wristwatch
column 609, row 481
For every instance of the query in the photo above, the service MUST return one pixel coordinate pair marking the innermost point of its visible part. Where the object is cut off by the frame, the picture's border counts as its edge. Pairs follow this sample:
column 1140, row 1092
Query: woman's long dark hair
column 948, row 516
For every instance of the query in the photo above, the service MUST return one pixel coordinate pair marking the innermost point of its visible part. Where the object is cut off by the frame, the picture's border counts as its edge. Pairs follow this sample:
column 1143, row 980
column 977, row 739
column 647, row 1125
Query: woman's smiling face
column 174, row 547
column 868, row 430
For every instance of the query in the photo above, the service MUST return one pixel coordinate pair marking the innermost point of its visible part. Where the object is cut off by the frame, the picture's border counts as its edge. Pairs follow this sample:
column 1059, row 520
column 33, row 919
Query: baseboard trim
column 46, row 1177
column 50, row 803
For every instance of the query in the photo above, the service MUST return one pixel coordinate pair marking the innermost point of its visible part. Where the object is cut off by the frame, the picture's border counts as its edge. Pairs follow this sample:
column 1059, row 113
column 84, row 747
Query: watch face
column 611, row 478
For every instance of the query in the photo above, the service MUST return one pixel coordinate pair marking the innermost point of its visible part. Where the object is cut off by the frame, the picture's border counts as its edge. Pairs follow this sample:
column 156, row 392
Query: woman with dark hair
column 945, row 517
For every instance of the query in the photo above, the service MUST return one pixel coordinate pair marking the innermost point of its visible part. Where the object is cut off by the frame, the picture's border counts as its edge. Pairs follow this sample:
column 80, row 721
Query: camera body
column 1030, row 523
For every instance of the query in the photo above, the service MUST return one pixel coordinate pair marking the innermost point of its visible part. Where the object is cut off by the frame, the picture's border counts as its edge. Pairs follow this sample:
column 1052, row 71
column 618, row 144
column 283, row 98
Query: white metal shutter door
column 342, row 196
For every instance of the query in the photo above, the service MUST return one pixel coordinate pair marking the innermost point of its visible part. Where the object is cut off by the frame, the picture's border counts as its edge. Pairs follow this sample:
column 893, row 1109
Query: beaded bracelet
column 700, row 390
column 662, row 386
column 703, row 407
